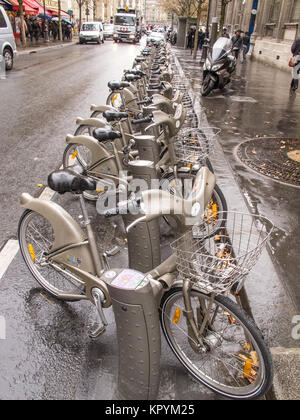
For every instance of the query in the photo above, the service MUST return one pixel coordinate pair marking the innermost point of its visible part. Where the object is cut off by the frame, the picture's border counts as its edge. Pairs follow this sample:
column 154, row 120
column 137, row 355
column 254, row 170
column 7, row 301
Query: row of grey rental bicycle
column 143, row 158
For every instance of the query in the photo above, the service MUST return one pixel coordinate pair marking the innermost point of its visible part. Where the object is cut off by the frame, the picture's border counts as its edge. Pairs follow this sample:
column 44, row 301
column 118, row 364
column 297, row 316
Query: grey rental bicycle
column 212, row 336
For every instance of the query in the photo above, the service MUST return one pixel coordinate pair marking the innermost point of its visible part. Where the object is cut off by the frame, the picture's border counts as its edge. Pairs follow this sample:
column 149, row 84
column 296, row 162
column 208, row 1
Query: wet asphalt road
column 47, row 353
column 40, row 101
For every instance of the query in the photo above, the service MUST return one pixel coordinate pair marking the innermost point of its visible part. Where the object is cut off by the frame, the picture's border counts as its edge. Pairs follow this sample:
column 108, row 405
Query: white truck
column 127, row 26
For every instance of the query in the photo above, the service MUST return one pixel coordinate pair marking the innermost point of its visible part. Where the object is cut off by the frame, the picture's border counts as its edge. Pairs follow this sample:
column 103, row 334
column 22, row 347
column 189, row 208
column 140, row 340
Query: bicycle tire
column 33, row 264
column 247, row 323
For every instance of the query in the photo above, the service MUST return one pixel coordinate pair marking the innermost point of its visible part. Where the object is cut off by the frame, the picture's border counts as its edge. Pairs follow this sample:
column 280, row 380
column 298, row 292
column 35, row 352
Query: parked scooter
column 219, row 66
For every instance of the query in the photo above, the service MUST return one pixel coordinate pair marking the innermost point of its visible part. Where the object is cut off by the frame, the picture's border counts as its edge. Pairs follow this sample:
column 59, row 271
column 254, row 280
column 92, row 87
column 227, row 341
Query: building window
column 296, row 11
column 275, row 11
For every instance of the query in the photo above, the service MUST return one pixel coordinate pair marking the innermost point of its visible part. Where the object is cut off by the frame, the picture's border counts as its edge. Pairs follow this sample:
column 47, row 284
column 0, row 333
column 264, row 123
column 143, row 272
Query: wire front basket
column 216, row 260
column 194, row 145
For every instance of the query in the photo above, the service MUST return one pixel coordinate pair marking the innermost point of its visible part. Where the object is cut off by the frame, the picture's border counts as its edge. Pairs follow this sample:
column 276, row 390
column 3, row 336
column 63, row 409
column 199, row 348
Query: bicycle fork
column 198, row 338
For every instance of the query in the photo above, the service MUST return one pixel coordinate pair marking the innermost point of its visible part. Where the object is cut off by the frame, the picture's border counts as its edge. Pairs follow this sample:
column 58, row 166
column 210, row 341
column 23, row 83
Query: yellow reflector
column 114, row 98
column 75, row 154
column 215, row 209
column 247, row 368
column 176, row 316
column 31, row 251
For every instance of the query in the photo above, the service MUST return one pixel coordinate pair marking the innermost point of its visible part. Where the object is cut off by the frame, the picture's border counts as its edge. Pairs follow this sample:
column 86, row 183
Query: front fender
column 99, row 153
column 66, row 229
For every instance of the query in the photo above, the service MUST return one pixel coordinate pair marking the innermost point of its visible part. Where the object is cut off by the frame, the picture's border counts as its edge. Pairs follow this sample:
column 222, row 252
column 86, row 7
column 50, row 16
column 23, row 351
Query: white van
column 7, row 41
column 91, row 32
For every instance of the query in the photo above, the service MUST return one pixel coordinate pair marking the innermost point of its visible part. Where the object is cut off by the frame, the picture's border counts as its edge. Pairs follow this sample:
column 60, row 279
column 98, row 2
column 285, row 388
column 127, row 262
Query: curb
column 41, row 49
column 285, row 380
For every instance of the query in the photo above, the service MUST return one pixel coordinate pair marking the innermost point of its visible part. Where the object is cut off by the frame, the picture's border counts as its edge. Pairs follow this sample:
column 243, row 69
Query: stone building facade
column 277, row 25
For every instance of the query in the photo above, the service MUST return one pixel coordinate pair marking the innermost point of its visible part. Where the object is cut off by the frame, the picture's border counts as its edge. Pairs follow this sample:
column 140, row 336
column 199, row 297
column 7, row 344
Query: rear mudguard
column 92, row 122
column 102, row 108
column 99, row 153
column 69, row 238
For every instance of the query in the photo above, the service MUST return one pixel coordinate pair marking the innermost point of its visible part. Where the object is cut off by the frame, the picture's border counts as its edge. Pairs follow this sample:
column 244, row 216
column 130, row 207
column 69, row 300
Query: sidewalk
column 32, row 47
column 272, row 295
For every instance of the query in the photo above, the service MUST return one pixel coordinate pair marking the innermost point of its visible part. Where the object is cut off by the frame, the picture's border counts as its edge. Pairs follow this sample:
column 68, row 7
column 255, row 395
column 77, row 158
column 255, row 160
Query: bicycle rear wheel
column 234, row 360
column 36, row 237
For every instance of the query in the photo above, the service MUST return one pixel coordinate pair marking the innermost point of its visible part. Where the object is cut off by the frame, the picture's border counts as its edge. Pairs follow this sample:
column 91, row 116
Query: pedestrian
column 36, row 30
column 296, row 59
column 191, row 38
column 68, row 32
column 201, row 39
column 246, row 41
column 237, row 43
column 63, row 29
column 54, row 30
column 225, row 34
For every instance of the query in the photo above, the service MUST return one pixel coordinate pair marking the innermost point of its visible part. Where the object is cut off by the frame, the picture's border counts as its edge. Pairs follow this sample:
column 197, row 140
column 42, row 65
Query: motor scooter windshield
column 221, row 47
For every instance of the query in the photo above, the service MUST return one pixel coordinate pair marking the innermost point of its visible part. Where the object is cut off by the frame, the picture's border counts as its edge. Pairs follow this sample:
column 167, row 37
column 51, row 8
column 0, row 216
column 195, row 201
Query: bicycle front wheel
column 233, row 360
column 36, row 237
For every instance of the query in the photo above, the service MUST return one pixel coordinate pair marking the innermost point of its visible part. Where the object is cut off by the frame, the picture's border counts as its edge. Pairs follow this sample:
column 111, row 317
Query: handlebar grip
column 143, row 120
column 160, row 86
column 147, row 101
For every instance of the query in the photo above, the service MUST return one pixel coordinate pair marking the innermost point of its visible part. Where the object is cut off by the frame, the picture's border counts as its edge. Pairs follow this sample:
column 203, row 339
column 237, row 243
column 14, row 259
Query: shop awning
column 26, row 7
column 54, row 12
column 34, row 5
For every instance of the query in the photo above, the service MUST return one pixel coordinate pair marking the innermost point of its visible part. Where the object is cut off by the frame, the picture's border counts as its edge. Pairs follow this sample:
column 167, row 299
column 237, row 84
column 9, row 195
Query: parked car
column 108, row 30
column 7, row 41
column 156, row 37
column 91, row 32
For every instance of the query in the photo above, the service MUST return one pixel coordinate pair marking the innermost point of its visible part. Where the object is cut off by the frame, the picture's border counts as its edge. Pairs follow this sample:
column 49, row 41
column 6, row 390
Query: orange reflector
column 75, row 154
column 215, row 209
column 177, row 315
column 31, row 251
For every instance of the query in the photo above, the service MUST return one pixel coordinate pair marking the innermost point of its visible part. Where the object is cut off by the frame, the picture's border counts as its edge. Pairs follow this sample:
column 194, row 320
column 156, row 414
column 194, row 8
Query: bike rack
column 138, row 333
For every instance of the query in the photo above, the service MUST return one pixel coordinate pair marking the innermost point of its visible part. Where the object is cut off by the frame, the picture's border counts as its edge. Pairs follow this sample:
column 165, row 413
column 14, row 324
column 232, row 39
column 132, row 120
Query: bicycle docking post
column 138, row 333
column 144, row 238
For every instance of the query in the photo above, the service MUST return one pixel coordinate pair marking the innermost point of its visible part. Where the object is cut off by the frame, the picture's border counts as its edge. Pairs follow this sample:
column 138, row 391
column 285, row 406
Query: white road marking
column 7, row 254
column 2, row 328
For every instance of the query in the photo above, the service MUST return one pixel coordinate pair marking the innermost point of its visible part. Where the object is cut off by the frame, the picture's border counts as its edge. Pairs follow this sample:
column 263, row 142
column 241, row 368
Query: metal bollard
column 138, row 333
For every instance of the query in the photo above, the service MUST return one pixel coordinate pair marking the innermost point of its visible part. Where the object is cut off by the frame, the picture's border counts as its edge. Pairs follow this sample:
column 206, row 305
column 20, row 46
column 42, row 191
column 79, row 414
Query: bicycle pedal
column 97, row 332
column 112, row 251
